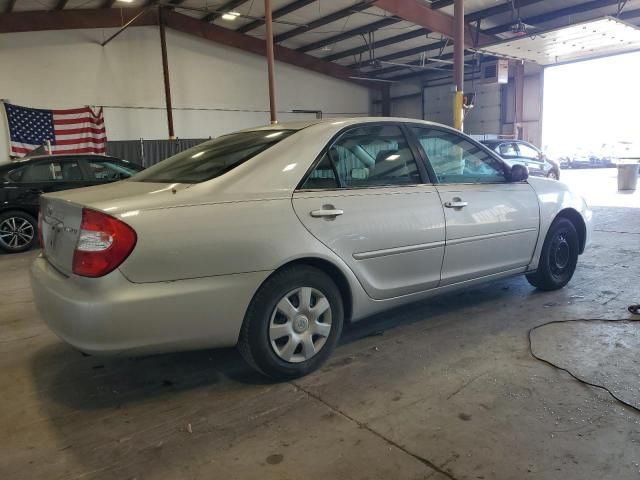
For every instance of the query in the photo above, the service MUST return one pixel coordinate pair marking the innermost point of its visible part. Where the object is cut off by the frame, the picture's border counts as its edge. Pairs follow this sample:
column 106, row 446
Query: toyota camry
column 273, row 238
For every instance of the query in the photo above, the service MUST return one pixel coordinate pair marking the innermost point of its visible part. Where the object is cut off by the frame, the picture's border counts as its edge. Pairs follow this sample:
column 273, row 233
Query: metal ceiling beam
column 230, row 38
column 420, row 32
column 345, row 12
column 497, row 10
column 371, row 27
column 419, row 14
column 412, row 51
column 281, row 12
column 10, row 6
column 225, row 7
column 555, row 14
column 437, row 4
column 472, row 17
column 414, row 63
column 34, row 21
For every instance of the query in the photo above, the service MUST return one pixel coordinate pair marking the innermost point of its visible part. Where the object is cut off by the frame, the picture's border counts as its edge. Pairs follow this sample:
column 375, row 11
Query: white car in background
column 272, row 238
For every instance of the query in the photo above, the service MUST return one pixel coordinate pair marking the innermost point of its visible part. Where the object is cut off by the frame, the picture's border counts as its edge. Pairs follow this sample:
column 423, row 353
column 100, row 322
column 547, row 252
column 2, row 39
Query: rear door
column 491, row 224
column 371, row 203
column 48, row 175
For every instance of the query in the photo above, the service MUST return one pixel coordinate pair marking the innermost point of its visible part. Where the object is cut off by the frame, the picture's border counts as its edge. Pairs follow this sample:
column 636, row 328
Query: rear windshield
column 213, row 158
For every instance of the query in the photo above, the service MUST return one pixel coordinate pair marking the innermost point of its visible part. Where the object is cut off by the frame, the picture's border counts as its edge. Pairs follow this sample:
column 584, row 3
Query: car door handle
column 457, row 204
column 330, row 212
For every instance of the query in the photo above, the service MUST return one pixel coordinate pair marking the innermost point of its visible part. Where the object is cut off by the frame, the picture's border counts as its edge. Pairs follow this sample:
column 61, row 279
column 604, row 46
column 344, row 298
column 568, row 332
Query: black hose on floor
column 581, row 380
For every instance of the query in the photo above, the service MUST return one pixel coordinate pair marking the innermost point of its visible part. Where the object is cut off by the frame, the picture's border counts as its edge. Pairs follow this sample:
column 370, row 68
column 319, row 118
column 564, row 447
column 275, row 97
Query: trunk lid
column 62, row 213
column 60, row 230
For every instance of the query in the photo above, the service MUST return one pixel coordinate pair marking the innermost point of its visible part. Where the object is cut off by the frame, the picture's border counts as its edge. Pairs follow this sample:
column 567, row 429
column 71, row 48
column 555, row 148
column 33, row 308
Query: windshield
column 213, row 158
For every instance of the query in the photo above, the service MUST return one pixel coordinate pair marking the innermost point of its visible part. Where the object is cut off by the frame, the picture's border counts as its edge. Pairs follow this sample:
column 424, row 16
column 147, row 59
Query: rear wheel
column 18, row 231
column 293, row 323
column 558, row 258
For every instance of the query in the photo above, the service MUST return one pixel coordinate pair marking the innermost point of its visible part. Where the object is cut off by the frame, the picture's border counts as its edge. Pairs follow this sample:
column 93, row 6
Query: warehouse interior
column 493, row 381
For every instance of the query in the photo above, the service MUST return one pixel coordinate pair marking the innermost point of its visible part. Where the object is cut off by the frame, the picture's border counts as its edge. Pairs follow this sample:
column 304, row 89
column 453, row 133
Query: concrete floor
column 442, row 389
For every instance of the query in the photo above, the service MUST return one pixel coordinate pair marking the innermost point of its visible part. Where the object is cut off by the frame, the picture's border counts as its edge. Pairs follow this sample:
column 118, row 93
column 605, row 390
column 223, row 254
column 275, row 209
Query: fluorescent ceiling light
column 230, row 16
column 393, row 157
column 126, row 1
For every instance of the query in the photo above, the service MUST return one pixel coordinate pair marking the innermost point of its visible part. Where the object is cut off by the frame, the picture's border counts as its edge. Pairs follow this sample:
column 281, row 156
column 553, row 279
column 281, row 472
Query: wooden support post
column 268, row 20
column 165, row 71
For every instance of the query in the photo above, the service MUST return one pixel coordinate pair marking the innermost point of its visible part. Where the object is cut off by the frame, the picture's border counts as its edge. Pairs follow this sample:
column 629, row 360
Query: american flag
column 76, row 130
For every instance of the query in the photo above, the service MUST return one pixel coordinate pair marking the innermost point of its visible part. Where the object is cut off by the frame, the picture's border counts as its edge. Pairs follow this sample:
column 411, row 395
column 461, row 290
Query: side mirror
column 519, row 173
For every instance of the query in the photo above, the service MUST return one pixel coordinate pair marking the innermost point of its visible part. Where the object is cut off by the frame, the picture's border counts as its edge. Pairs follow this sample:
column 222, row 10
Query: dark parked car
column 518, row 151
column 22, row 182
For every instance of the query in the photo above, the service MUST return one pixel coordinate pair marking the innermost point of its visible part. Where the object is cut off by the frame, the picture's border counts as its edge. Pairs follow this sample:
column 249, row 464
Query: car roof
column 27, row 160
column 340, row 122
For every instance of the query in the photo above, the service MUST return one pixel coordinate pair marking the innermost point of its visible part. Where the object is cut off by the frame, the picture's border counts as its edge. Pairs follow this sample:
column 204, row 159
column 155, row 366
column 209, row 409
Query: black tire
column 255, row 343
column 18, row 231
column 554, row 174
column 559, row 257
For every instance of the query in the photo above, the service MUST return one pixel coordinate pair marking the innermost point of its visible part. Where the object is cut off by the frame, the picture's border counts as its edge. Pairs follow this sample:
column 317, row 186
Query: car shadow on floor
column 66, row 376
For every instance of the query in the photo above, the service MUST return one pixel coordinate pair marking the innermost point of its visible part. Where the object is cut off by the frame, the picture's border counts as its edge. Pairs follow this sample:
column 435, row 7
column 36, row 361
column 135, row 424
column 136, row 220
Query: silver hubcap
column 300, row 324
column 16, row 232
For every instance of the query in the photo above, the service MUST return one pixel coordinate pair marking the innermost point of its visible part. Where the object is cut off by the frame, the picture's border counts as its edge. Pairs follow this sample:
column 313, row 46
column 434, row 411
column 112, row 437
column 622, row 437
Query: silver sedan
column 272, row 238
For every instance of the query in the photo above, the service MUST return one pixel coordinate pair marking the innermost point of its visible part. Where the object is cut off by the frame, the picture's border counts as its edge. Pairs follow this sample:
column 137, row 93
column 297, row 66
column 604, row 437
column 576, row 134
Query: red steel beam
column 230, row 38
column 420, row 14
column 36, row 21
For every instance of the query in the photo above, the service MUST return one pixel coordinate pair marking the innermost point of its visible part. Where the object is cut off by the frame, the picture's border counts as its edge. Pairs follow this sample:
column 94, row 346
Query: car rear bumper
column 112, row 316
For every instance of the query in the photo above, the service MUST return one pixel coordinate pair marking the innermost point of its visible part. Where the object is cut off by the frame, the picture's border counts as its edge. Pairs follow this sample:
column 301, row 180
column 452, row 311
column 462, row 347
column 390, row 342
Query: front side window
column 457, row 160
column 105, row 171
column 213, row 158
column 369, row 156
column 59, row 171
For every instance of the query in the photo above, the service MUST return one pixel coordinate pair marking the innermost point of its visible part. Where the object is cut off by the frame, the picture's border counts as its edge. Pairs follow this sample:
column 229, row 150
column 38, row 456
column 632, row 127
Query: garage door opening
column 584, row 121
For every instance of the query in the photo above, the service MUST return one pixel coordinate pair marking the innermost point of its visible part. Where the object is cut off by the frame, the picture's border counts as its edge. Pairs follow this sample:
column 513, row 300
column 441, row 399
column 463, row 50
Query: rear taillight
column 104, row 243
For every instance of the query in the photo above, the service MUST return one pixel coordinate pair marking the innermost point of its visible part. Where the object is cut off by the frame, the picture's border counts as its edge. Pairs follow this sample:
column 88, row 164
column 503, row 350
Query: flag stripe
column 77, row 130
column 72, row 121
column 71, row 111
column 76, row 141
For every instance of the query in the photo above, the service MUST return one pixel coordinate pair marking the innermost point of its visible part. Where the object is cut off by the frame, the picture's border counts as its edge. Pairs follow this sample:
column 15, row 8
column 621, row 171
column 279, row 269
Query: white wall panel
column 65, row 69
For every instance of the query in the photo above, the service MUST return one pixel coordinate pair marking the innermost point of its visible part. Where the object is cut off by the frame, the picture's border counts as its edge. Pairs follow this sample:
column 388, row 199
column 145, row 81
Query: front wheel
column 293, row 323
column 553, row 174
column 559, row 257
column 18, row 231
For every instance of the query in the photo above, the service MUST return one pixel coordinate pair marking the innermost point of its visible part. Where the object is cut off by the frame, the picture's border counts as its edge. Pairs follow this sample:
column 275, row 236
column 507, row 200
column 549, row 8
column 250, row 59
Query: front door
column 370, row 203
column 492, row 225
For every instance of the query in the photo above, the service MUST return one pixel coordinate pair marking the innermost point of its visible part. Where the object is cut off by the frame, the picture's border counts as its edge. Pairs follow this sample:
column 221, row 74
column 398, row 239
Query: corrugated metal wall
column 149, row 152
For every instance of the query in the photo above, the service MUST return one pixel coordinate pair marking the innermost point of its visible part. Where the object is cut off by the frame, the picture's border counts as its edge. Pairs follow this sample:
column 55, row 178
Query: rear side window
column 371, row 156
column 68, row 171
column 213, row 158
